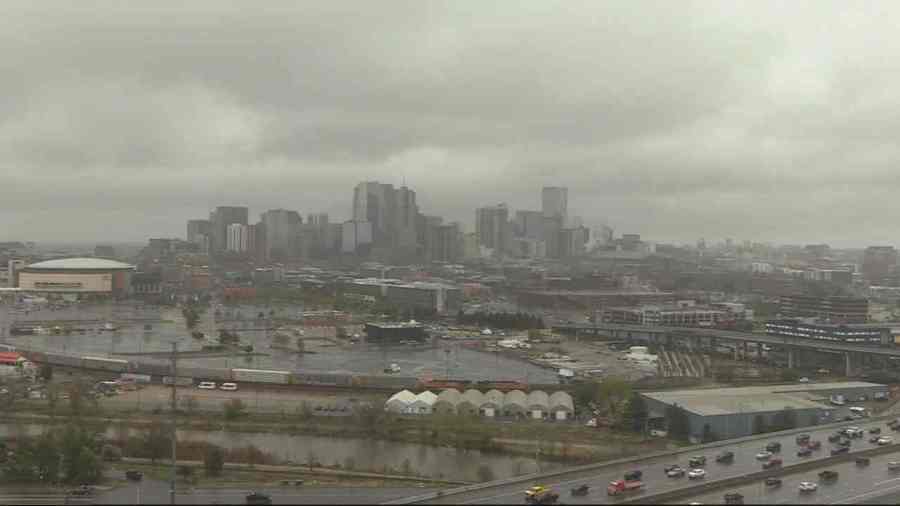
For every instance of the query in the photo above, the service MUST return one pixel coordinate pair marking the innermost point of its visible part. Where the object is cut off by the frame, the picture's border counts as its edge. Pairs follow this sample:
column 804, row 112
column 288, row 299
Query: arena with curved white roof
column 96, row 276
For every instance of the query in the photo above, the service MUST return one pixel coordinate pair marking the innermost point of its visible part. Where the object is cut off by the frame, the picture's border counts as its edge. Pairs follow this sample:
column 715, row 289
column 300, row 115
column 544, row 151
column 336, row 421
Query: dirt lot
column 254, row 399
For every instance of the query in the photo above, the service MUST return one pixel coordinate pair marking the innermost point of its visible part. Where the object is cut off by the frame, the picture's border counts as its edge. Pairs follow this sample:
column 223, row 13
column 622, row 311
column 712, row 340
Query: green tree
column 157, row 443
column 214, row 460
column 87, row 467
column 634, row 413
column 44, row 456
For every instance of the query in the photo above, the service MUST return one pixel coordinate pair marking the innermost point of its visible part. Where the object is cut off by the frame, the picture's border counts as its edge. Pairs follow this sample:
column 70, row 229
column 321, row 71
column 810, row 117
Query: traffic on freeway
column 854, row 483
column 657, row 476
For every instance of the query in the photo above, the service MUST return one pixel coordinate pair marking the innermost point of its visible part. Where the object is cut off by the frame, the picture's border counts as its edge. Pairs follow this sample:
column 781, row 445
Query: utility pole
column 174, row 406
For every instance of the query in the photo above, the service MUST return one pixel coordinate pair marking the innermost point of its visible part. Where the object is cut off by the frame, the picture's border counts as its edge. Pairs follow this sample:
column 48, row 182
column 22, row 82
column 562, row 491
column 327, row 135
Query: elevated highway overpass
column 598, row 476
column 854, row 354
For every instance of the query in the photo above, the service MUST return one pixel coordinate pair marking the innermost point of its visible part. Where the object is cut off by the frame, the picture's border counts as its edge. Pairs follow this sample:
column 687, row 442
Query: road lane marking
column 850, row 499
column 886, row 481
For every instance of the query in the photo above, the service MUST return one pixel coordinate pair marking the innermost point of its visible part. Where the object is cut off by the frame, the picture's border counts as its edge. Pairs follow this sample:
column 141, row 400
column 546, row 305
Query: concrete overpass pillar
column 790, row 352
column 759, row 351
column 848, row 370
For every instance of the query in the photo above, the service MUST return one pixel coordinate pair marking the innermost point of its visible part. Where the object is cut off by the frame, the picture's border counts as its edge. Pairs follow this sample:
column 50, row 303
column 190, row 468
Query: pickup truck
column 635, row 475
column 774, row 447
column 257, row 498
column 697, row 461
column 621, row 486
column 725, row 457
column 802, row 439
column 773, row 482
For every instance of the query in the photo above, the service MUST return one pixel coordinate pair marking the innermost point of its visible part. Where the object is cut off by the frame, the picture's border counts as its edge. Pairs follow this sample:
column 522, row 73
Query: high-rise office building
column 282, row 233
column 555, row 202
column 237, row 238
column 551, row 229
column 493, row 228
column 879, row 262
column 356, row 236
column 392, row 213
column 219, row 221
column 529, row 224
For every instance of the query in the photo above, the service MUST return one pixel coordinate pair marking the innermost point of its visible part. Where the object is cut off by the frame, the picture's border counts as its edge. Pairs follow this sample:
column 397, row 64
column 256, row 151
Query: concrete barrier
column 709, row 486
column 618, row 462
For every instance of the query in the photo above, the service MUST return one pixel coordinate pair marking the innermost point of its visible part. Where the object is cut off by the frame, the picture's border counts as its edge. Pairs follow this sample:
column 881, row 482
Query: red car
column 814, row 445
column 772, row 463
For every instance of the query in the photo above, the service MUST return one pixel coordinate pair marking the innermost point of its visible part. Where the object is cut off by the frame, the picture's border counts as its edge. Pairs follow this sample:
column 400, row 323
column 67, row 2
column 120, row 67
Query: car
column 875, row 430
column 885, row 440
column 773, row 482
column 134, row 475
column 862, row 461
column 804, row 452
column 772, row 464
column 874, row 439
column 697, row 462
column 773, row 447
column 535, row 490
column 257, row 498
column 808, row 486
column 814, row 444
column 228, row 387
column 634, row 475
column 828, row 475
column 207, row 385
column 675, row 472
column 834, row 438
column 696, row 474
column 840, row 450
column 763, row 455
column 725, row 457
column 804, row 380
column 894, row 465
column 734, row 498
column 802, row 439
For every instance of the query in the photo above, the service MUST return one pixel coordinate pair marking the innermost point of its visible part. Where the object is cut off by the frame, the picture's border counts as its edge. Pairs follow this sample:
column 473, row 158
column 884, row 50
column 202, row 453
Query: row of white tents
column 493, row 403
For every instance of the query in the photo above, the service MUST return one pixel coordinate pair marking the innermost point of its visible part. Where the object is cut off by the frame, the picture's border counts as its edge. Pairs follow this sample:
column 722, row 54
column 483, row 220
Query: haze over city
column 672, row 120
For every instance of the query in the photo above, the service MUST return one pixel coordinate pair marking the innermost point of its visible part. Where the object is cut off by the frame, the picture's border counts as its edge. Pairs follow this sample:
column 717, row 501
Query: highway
column 742, row 336
column 855, row 484
column 654, row 478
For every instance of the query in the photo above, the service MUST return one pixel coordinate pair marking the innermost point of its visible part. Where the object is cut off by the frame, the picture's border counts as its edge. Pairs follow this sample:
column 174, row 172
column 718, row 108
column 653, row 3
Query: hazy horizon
column 767, row 120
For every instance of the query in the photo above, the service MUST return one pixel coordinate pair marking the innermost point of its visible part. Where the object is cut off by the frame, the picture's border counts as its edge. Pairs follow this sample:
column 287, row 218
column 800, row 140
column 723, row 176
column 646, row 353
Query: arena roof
column 75, row 264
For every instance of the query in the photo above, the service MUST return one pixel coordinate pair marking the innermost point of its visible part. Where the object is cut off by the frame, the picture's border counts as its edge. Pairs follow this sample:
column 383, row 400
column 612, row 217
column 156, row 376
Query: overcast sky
column 770, row 121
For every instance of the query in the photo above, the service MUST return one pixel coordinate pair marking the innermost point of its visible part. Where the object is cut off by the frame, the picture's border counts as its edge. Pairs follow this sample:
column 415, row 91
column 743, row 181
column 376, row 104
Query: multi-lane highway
column 855, row 484
column 655, row 480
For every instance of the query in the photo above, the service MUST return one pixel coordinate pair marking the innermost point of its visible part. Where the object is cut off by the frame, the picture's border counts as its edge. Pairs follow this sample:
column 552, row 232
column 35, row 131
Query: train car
column 64, row 360
column 105, row 364
column 153, row 368
column 181, row 381
column 260, row 376
column 460, row 385
column 503, row 386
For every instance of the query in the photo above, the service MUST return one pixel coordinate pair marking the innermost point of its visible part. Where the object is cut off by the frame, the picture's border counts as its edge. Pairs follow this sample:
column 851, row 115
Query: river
column 366, row 454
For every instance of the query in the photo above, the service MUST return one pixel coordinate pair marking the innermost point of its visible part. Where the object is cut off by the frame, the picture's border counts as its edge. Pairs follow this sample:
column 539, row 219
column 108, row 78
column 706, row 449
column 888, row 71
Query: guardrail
column 618, row 462
column 671, row 495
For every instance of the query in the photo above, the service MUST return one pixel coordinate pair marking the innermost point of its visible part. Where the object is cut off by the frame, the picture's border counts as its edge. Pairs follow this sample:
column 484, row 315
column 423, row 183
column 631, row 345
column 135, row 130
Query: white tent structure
column 423, row 404
column 538, row 404
column 400, row 402
column 447, row 402
column 493, row 403
column 561, row 406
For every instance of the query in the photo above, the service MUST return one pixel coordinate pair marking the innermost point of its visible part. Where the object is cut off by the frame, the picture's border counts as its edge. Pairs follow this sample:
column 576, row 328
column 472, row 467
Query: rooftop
column 80, row 264
column 723, row 401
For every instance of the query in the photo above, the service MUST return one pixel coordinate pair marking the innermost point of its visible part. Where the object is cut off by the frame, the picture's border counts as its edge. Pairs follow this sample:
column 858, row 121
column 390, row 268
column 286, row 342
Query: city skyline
column 672, row 121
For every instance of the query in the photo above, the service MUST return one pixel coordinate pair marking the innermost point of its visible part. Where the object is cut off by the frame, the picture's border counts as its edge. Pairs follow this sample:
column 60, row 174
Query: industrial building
column 726, row 413
column 869, row 334
column 828, row 309
column 439, row 297
column 81, row 277
column 678, row 315
column 395, row 332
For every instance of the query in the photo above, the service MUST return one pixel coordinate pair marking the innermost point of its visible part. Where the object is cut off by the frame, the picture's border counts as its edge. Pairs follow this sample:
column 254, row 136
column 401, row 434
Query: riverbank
column 561, row 442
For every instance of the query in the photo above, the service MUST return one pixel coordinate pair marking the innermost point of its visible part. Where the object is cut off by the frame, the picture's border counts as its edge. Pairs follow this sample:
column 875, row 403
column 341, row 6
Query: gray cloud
column 768, row 120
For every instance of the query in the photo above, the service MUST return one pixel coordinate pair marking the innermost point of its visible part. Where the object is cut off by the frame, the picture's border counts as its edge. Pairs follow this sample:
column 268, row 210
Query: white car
column 885, row 440
column 808, row 486
column 804, row 380
column 229, row 387
column 696, row 474
column 207, row 385
column 764, row 455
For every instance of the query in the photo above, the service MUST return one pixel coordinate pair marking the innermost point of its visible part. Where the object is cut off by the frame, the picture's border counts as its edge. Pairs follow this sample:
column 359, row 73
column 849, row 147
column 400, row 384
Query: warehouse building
column 395, row 332
column 726, row 413
column 438, row 297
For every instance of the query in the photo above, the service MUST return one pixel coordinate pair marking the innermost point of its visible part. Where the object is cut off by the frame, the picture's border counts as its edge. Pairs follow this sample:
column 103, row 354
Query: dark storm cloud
column 672, row 119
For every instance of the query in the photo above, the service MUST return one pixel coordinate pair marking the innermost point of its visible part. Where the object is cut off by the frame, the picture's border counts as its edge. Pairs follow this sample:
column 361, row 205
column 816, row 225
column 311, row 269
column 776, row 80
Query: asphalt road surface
column 655, row 480
column 157, row 492
column 855, row 484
